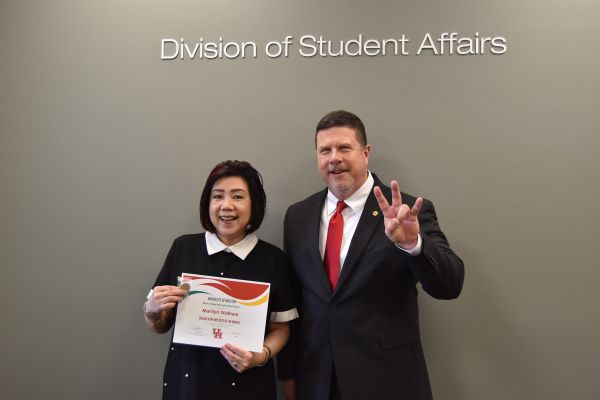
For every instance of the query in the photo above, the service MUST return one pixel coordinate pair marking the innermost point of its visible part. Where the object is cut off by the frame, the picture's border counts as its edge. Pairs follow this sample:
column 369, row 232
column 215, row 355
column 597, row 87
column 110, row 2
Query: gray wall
column 104, row 149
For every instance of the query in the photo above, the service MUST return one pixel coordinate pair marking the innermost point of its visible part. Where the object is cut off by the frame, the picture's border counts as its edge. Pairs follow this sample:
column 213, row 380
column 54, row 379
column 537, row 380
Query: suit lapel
column 312, row 236
column 366, row 228
column 370, row 220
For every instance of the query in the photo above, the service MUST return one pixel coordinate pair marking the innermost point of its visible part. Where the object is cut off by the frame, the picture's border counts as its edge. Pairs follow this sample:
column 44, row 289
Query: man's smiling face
column 342, row 160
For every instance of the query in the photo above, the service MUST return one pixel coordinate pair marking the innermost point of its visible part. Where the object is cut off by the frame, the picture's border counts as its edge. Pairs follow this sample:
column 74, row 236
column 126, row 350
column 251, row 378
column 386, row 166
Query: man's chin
column 341, row 191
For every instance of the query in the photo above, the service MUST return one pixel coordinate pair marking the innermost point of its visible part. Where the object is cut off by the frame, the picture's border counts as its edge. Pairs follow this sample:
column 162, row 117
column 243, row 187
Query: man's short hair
column 342, row 118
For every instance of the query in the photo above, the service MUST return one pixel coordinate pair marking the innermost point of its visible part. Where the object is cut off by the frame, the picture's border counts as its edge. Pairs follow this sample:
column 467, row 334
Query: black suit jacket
column 367, row 329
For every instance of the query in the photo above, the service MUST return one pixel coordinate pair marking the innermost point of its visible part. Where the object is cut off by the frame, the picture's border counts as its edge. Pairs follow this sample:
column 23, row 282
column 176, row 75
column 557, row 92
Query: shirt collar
column 240, row 249
column 357, row 201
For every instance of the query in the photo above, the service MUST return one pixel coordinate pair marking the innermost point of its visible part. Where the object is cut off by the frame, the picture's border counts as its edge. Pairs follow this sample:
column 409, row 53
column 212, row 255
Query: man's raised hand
column 400, row 221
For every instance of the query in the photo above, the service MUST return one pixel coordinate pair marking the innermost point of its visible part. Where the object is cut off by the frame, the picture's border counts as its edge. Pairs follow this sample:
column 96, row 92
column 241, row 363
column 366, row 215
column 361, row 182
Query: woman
column 232, row 207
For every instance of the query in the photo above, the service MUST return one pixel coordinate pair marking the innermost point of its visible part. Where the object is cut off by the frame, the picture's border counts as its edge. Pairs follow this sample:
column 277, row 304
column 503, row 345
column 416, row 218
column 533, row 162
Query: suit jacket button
column 332, row 307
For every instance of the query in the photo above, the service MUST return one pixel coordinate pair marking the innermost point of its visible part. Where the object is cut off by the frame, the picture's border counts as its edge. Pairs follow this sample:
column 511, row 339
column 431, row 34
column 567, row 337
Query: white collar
column 357, row 201
column 240, row 249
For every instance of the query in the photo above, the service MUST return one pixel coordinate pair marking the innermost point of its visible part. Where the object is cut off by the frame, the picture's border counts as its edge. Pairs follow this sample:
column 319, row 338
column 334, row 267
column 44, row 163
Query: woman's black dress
column 197, row 372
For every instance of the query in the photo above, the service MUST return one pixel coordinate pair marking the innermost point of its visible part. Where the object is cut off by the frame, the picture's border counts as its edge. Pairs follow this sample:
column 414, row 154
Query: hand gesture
column 401, row 223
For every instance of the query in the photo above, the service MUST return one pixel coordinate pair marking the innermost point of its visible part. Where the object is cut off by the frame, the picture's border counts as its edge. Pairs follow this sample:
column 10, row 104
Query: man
column 359, row 248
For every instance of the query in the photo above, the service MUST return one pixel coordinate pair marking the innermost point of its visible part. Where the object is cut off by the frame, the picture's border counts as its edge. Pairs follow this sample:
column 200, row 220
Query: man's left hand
column 400, row 221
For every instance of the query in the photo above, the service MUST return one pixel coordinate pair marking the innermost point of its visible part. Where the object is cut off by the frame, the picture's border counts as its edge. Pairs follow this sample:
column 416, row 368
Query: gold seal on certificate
column 221, row 310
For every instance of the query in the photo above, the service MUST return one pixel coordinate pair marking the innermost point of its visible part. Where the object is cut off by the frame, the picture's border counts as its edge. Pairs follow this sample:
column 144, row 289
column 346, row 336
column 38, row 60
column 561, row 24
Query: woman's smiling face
column 230, row 209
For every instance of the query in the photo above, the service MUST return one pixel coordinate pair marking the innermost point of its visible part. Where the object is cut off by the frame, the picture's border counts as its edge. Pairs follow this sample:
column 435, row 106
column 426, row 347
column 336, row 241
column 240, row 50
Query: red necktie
column 335, row 232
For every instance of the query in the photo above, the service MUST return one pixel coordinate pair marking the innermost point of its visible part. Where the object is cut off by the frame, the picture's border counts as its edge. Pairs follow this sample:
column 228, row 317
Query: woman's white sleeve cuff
column 284, row 316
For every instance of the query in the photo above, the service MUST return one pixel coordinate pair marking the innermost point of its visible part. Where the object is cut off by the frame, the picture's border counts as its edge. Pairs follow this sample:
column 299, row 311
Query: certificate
column 221, row 310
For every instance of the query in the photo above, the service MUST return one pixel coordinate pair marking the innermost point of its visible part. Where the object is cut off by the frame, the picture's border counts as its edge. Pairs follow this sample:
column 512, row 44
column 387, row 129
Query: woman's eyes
column 220, row 197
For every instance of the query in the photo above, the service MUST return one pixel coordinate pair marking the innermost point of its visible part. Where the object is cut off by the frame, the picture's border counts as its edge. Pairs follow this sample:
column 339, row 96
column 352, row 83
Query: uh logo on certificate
column 221, row 310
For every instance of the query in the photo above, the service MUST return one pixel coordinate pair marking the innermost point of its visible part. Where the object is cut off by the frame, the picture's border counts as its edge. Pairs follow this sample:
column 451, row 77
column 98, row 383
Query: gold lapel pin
column 375, row 213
